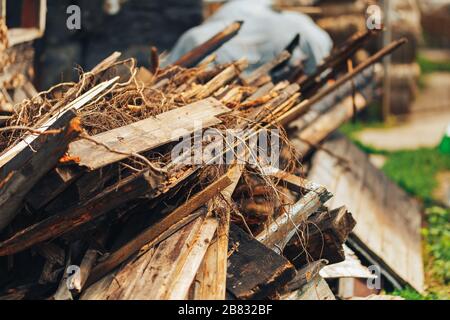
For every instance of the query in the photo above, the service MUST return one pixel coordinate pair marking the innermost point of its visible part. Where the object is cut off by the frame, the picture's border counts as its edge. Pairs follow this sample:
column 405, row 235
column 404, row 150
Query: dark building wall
column 138, row 25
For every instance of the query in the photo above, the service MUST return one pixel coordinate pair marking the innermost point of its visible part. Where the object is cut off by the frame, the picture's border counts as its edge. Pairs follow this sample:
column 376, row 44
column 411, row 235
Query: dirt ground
column 419, row 130
column 427, row 123
column 443, row 192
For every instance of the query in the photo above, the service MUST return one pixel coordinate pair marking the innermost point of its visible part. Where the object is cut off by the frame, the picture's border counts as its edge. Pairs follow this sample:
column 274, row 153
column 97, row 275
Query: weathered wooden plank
column 383, row 211
column 305, row 275
column 152, row 275
column 180, row 288
column 18, row 183
column 255, row 271
column 146, row 134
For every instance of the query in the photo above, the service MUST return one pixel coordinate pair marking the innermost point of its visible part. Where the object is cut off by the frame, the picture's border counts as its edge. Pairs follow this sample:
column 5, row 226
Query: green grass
column 437, row 247
column 416, row 172
column 428, row 66
column 411, row 294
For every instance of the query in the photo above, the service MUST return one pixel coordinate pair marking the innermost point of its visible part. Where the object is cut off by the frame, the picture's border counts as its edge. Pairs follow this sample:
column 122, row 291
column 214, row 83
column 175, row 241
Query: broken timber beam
column 132, row 139
column 325, row 236
column 118, row 194
column 49, row 149
column 146, row 134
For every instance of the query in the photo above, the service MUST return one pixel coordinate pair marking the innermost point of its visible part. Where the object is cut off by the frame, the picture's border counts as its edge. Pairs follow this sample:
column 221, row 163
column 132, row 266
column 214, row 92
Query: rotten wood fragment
column 280, row 231
column 51, row 185
column 255, row 271
column 128, row 189
column 325, row 235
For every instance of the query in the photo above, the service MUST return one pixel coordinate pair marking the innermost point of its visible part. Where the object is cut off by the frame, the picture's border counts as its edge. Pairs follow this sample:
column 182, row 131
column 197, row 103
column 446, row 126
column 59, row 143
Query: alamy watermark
column 214, row 147
column 73, row 274
column 374, row 282
column 73, row 21
column 374, row 18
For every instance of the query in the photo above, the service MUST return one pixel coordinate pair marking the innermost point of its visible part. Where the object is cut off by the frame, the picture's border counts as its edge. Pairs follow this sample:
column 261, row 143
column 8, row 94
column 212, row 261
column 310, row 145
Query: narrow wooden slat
column 210, row 282
column 385, row 213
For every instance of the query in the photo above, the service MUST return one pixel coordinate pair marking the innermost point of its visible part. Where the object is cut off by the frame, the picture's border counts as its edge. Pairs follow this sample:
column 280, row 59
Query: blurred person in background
column 264, row 34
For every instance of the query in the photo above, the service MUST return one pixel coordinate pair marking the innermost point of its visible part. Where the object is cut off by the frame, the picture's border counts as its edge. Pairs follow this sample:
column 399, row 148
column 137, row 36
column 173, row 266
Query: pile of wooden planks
column 103, row 196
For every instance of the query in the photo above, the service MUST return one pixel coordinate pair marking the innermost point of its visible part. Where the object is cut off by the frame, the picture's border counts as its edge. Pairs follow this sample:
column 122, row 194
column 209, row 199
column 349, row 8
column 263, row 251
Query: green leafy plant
column 428, row 66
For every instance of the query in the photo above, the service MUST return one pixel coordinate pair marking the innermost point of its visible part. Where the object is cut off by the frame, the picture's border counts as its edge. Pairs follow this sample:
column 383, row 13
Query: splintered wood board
column 210, row 281
column 255, row 271
column 388, row 220
column 147, row 134
column 164, row 272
